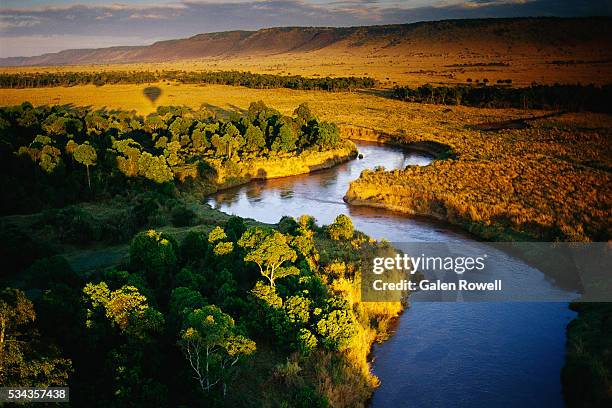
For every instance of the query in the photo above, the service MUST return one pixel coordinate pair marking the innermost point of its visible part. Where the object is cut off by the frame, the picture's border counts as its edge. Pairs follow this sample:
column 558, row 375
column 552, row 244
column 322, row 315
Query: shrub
column 183, row 216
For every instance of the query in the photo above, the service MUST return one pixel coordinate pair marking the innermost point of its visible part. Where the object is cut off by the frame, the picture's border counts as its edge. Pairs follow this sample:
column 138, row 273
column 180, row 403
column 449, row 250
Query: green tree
column 269, row 250
column 50, row 158
column 154, row 168
column 154, row 254
column 198, row 138
column 341, row 228
column 286, row 139
column 189, row 278
column 217, row 234
column 212, row 346
column 235, row 227
column 56, row 125
column 171, row 152
column 179, row 127
column 267, row 294
column 96, row 124
column 337, row 329
column 154, row 123
column 87, row 156
column 326, row 135
column 194, row 247
column 307, row 341
column 127, row 161
column 303, row 113
column 184, row 301
column 254, row 139
column 297, row 309
column 126, row 308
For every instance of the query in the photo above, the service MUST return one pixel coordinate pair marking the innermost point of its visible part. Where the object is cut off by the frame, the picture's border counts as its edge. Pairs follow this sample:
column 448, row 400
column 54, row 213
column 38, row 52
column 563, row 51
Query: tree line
column 235, row 78
column 52, row 155
column 559, row 97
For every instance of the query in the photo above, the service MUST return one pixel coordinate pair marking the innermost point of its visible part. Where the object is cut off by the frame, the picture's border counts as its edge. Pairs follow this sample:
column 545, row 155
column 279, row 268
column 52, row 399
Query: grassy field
column 404, row 67
column 367, row 108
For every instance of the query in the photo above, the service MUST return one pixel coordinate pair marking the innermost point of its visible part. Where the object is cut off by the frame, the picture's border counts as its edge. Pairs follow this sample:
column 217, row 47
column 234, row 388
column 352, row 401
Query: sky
column 34, row 27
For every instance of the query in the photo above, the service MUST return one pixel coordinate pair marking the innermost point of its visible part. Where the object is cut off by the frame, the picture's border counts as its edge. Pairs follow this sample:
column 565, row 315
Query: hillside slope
column 571, row 37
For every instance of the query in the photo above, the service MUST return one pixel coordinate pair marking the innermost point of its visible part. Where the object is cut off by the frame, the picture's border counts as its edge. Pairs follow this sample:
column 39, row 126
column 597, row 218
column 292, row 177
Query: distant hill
column 458, row 36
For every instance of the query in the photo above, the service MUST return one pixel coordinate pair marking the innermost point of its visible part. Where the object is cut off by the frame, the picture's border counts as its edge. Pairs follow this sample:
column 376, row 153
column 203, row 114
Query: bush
column 308, row 397
column 154, row 254
column 183, row 216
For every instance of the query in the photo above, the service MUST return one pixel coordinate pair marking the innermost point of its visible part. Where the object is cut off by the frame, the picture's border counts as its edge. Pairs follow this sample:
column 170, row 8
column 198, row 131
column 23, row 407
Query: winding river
column 442, row 354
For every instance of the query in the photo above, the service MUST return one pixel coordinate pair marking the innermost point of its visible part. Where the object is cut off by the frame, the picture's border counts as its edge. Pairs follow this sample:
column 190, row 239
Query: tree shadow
column 519, row 123
column 381, row 93
column 222, row 112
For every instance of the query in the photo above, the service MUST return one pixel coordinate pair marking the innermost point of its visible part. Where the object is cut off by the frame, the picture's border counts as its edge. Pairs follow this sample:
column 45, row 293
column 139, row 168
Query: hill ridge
column 537, row 32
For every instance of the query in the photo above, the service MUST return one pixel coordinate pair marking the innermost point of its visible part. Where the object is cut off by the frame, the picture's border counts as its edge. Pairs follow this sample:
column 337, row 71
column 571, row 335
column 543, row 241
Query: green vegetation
column 231, row 309
column 53, row 156
column 342, row 228
column 557, row 97
column 125, row 276
column 587, row 375
column 236, row 78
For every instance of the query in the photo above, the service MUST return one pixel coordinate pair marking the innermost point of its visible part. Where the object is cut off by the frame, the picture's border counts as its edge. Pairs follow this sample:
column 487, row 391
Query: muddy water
column 442, row 354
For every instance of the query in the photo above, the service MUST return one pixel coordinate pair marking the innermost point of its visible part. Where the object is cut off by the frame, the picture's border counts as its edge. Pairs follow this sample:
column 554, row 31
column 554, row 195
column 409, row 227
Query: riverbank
column 279, row 166
column 434, row 149
column 513, row 184
column 429, row 339
column 543, row 188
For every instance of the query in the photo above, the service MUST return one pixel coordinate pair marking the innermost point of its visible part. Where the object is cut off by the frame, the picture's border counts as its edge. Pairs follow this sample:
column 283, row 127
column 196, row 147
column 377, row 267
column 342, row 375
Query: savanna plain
column 106, row 225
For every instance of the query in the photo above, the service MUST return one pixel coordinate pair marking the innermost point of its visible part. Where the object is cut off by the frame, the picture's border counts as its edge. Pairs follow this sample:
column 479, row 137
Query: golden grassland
column 412, row 67
column 548, row 177
column 548, row 181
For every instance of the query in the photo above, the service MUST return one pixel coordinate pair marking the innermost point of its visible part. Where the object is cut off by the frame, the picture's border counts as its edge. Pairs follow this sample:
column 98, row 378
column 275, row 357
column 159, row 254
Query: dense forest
column 559, row 97
column 229, row 310
column 54, row 155
column 236, row 78
column 199, row 309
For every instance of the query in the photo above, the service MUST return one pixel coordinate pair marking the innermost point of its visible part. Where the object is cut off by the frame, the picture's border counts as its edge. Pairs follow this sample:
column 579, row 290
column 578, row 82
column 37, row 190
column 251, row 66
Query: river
column 442, row 354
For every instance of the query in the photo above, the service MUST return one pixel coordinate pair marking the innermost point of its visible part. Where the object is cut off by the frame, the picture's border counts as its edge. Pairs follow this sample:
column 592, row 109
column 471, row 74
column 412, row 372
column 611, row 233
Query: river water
column 442, row 354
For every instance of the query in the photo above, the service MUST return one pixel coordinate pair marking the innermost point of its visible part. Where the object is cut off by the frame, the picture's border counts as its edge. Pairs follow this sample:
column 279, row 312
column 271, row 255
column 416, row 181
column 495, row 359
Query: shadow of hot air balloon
column 152, row 93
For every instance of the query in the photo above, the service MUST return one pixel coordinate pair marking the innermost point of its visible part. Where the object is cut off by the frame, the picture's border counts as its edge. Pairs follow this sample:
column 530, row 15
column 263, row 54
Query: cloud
column 185, row 18
column 148, row 16
column 9, row 21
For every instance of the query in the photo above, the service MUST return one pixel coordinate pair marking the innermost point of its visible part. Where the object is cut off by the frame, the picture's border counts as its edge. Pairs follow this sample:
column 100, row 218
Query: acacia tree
column 269, row 250
column 125, row 308
column 212, row 347
column 87, row 156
